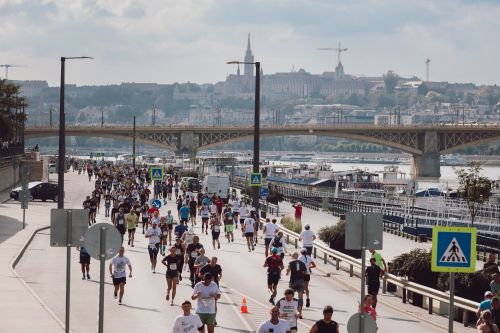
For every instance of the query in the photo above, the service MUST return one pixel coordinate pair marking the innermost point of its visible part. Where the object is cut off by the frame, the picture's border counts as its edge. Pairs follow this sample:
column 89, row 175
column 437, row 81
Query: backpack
column 277, row 242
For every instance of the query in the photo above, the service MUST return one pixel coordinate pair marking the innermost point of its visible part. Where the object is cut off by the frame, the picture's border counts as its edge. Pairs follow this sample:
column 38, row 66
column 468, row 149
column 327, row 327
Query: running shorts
column 118, row 281
column 297, row 285
column 229, row 228
column 153, row 250
column 273, row 277
column 373, row 287
column 215, row 235
column 248, row 234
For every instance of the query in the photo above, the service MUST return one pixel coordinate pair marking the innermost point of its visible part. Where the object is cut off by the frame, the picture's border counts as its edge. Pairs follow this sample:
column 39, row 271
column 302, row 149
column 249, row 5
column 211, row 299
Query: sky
column 167, row 41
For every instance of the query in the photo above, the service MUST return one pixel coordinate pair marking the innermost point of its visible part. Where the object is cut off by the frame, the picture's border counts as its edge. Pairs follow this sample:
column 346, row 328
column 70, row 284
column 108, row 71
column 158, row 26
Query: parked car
column 193, row 184
column 38, row 190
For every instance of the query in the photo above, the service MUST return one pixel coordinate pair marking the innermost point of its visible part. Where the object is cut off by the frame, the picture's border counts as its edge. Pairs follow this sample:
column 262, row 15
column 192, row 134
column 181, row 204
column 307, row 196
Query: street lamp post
column 256, row 131
column 60, row 180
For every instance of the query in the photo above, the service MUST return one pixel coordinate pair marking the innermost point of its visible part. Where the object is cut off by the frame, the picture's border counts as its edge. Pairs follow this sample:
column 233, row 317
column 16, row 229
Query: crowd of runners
column 132, row 201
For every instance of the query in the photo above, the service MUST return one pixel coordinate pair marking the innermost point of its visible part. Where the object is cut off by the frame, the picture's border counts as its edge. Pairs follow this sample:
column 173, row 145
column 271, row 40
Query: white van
column 218, row 184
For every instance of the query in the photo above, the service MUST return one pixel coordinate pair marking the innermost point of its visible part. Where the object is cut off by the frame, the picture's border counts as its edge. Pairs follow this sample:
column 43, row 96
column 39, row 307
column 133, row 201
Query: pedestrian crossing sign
column 255, row 179
column 453, row 249
column 156, row 173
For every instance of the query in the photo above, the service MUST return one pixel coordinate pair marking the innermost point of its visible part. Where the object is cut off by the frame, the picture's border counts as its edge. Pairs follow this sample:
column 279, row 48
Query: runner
column 153, row 234
column 164, row 234
column 289, row 309
column 187, row 322
column 243, row 212
column 192, row 210
column 297, row 270
column 307, row 260
column 84, row 262
column 379, row 261
column 206, row 292
column 192, row 252
column 131, row 224
column 184, row 213
column 248, row 229
column 270, row 231
column 170, row 226
column 373, row 274
column 171, row 275
column 179, row 252
column 278, row 242
column 325, row 325
column 118, row 274
column 205, row 216
column 236, row 211
column 274, row 266
column 120, row 222
column 215, row 226
column 180, row 229
column 107, row 204
column 86, row 205
column 307, row 237
column 228, row 222
column 199, row 263
column 275, row 324
column 214, row 269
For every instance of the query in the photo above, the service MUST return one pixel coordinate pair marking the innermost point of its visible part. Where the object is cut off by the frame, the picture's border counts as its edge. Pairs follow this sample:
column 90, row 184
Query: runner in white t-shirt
column 206, row 293
column 236, row 211
column 248, row 229
column 187, row 322
column 270, row 230
column 307, row 237
column 289, row 309
column 153, row 234
column 243, row 212
column 117, row 270
column 275, row 323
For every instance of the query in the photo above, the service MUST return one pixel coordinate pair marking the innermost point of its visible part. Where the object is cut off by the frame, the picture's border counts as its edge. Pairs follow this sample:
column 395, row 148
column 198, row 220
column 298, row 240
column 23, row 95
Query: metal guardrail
column 407, row 286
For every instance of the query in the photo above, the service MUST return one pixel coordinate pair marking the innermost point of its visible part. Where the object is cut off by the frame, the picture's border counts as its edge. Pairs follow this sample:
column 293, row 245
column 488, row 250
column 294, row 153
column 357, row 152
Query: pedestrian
column 325, row 325
column 270, row 231
column 289, row 309
column 274, row 265
column 206, row 293
column 298, row 212
column 214, row 269
column 373, row 274
column 487, row 326
column 179, row 252
column 117, row 270
column 309, row 262
column 368, row 308
column 275, row 324
column 180, row 229
column 153, row 234
column 297, row 270
column 84, row 262
column 170, row 226
column 495, row 284
column 192, row 252
column 307, row 237
column 188, row 322
column 485, row 304
column 131, row 225
column 171, row 274
column 248, row 231
column 200, row 262
column 193, row 205
column 492, row 262
column 120, row 222
column 228, row 223
column 205, row 216
column 278, row 243
column 379, row 261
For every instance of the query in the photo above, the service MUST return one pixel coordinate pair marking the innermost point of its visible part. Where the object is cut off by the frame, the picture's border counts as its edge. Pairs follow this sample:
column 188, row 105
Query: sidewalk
column 18, row 301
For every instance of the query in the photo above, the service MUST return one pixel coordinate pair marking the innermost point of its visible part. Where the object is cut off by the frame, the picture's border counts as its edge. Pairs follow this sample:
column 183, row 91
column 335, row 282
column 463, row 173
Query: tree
column 11, row 113
column 390, row 80
column 422, row 89
column 473, row 188
column 416, row 267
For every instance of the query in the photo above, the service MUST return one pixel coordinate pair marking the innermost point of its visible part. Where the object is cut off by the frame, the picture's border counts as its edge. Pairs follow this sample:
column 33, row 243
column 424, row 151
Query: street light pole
column 256, row 138
column 133, row 147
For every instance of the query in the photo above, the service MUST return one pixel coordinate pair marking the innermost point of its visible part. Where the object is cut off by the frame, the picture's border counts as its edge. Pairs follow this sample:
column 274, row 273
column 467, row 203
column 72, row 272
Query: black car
column 194, row 184
column 38, row 190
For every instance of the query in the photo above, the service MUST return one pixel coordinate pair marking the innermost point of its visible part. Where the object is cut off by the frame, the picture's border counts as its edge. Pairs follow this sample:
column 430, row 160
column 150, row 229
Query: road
column 145, row 308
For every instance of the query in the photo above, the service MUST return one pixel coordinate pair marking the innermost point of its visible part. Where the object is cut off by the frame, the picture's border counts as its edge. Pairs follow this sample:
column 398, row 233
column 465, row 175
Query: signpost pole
column 363, row 264
column 24, row 217
column 102, row 259
column 68, row 266
column 452, row 301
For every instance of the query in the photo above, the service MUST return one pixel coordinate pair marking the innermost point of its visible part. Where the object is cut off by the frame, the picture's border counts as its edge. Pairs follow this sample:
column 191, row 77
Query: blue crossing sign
column 255, row 179
column 264, row 192
column 453, row 249
column 156, row 172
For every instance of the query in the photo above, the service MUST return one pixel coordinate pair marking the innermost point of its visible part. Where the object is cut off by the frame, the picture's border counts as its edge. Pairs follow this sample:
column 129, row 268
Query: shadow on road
column 8, row 227
column 140, row 308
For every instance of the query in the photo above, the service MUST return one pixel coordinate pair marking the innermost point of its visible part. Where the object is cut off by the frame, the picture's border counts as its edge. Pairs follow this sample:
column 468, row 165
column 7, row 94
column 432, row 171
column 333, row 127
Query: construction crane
column 339, row 50
column 7, row 66
column 427, row 63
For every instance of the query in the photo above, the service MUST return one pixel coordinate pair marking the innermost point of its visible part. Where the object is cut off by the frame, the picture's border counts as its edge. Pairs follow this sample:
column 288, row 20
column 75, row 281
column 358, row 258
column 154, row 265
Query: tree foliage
column 473, row 188
column 10, row 107
column 390, row 81
column 334, row 236
column 415, row 266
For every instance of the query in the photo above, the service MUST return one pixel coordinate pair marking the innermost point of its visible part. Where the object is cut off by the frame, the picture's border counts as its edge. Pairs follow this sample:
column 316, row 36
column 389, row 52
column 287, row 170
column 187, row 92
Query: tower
column 427, row 63
column 248, row 70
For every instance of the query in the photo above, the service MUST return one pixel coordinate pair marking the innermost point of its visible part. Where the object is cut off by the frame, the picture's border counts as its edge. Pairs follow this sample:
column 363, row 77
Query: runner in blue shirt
column 184, row 213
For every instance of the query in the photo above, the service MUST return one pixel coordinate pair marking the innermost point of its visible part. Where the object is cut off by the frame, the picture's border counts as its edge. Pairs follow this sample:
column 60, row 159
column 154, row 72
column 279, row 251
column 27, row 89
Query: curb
column 13, row 265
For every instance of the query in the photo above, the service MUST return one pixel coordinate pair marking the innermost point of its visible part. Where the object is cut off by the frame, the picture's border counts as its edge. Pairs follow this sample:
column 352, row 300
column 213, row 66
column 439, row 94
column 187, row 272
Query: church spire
column 248, row 44
column 248, row 69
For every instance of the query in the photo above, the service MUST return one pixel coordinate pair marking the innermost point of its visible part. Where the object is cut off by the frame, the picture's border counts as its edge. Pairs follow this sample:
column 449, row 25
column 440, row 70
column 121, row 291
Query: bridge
column 424, row 142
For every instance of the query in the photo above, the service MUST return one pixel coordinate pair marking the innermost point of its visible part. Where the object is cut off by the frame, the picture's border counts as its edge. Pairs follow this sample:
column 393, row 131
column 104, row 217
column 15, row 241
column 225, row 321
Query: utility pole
column 153, row 116
column 102, row 116
column 50, row 115
column 133, row 147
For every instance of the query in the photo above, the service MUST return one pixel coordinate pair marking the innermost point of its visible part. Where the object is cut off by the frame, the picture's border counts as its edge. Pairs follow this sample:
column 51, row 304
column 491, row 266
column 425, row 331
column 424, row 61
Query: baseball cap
column 488, row 293
column 307, row 226
column 274, row 250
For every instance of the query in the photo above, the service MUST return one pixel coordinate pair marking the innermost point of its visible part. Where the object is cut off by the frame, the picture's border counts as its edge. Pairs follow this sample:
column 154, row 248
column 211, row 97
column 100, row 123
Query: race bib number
column 121, row 221
column 206, row 301
column 152, row 246
column 165, row 233
column 177, row 251
column 120, row 268
column 172, row 267
column 194, row 254
column 288, row 311
column 216, row 228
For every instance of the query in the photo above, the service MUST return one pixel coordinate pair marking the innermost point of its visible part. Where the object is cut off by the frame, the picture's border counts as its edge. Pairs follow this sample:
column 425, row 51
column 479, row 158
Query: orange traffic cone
column 244, row 308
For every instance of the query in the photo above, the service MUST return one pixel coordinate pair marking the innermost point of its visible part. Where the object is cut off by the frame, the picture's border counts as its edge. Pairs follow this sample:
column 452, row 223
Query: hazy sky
column 168, row 41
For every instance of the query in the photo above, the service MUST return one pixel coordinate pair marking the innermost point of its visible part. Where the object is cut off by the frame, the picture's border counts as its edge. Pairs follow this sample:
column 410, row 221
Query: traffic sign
column 374, row 231
column 24, row 198
column 60, row 219
column 91, row 240
column 453, row 249
column 156, row 203
column 353, row 324
column 255, row 179
column 264, row 192
column 156, row 172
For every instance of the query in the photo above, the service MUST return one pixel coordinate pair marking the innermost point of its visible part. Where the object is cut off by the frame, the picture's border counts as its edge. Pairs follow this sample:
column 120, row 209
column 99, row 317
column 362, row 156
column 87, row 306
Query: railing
column 406, row 286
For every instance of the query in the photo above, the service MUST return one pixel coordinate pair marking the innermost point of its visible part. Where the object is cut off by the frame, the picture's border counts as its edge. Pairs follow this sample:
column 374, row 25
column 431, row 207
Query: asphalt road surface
column 144, row 306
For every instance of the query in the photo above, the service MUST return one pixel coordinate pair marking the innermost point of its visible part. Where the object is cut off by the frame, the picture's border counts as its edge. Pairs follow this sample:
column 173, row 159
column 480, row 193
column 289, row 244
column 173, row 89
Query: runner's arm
column 314, row 329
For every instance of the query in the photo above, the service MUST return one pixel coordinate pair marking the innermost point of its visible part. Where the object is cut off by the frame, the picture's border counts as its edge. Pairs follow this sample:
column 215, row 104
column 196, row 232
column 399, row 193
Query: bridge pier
column 427, row 165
